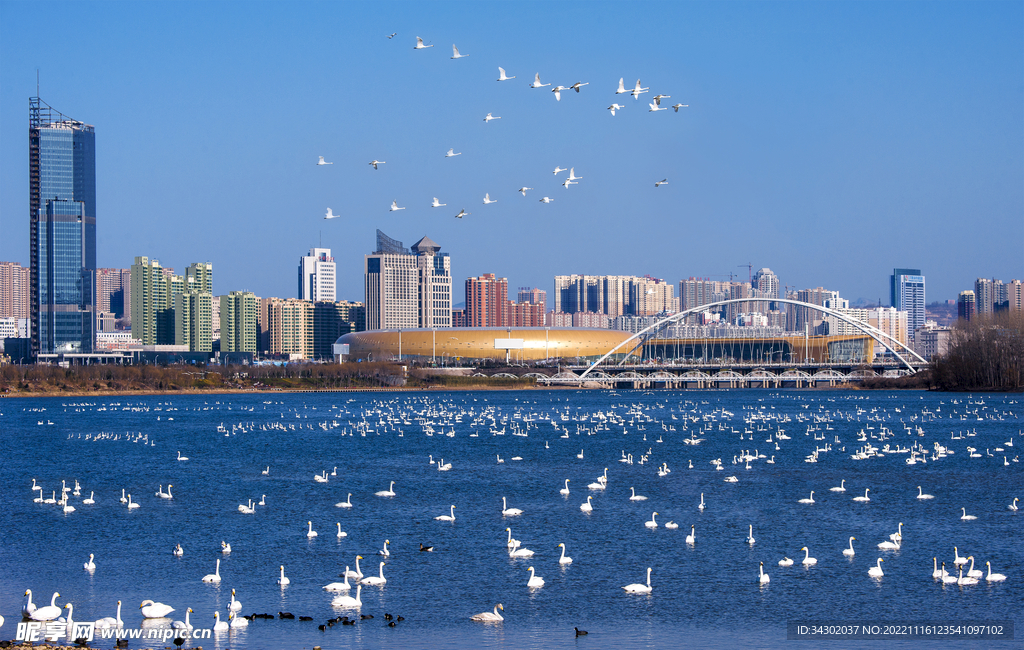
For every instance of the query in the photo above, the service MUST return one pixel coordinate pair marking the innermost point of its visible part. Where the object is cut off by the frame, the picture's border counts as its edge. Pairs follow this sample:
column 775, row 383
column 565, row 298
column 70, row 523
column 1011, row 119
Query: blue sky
column 829, row 141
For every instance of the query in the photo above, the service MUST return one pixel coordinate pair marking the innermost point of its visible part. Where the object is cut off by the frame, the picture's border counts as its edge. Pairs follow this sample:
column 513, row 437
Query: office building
column 406, row 290
column 487, row 301
column 966, row 305
column 239, row 322
column 113, row 292
column 62, row 230
column 332, row 320
column 906, row 293
column 317, row 276
column 15, row 290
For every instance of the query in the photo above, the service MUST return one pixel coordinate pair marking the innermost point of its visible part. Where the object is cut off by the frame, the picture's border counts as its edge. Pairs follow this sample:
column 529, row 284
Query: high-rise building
column 332, row 320
column 766, row 283
column 15, row 290
column 317, row 276
column 525, row 314
column 150, row 298
column 965, row 305
column 62, row 230
column 487, row 301
column 239, row 322
column 113, row 292
column 193, row 320
column 613, row 295
column 892, row 321
column 696, row 292
column 533, row 296
column 1014, row 296
column 806, row 319
column 984, row 296
column 290, row 327
column 906, row 293
column 649, row 296
column 406, row 290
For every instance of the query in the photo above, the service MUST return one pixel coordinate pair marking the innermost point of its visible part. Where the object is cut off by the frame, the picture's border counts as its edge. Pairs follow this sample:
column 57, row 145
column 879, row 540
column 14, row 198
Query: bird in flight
column 502, row 76
column 393, row 34
column 567, row 183
column 374, row 163
column 572, row 174
column 491, row 117
column 462, row 213
column 536, row 82
column 522, row 190
column 419, row 44
column 655, row 107
column 487, row 199
column 622, row 88
column 576, row 86
column 394, row 206
column 331, row 215
column 558, row 91
column 558, row 169
column 658, row 98
column 546, row 200
column 324, row 163
column 678, row 106
column 455, row 53
column 663, row 181
column 451, row 153
column 637, row 90
column 615, row 107
column 437, row 204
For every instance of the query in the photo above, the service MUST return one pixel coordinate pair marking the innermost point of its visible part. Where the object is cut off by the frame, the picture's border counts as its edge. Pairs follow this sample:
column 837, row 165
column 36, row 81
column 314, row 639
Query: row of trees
column 985, row 353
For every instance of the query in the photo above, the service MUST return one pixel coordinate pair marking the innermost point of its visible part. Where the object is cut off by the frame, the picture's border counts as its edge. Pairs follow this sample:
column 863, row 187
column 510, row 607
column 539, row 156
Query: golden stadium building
column 455, row 344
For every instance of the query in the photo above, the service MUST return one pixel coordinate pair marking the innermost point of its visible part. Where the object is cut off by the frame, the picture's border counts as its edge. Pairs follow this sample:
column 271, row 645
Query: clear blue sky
column 829, row 141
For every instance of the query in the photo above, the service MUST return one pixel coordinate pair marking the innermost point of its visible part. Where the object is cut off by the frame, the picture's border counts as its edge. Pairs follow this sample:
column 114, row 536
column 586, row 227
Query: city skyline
column 832, row 149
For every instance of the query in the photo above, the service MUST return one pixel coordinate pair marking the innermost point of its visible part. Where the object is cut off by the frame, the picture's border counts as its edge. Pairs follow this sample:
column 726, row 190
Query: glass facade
column 62, row 197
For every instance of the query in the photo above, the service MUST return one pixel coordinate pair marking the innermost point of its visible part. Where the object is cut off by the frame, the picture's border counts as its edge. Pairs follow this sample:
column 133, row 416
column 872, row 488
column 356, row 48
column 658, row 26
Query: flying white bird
column 658, row 98
column 655, row 107
column 455, row 53
column 558, row 92
column 393, row 34
column 419, row 44
column 502, row 76
column 567, row 183
column 487, row 199
column 663, row 181
column 678, row 106
column 536, row 82
column 622, row 88
column 322, row 162
column 637, row 90
column 522, row 190
column 579, row 84
column 462, row 213
column 394, row 206
column 437, row 204
column 546, row 200
column 491, row 117
column 615, row 107
column 374, row 163
column 573, row 176
column 558, row 169
column 331, row 215
column 451, row 152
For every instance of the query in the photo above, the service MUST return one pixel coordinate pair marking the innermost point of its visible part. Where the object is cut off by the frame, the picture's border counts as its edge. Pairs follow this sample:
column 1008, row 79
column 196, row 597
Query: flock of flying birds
column 572, row 179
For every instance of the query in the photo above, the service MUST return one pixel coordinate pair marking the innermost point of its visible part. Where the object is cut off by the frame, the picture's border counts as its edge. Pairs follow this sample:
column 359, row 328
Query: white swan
column 520, row 552
column 898, row 535
column 564, row 492
column 1012, row 506
column 167, row 494
column 357, row 574
column 123, row 500
column 219, row 626
column 283, row 580
column 311, row 533
column 750, row 535
column 691, row 539
column 266, row 472
column 671, row 525
column 763, row 577
column 47, row 612
column 809, row 499
column 972, row 572
column 225, row 548
column 936, row 572
column 808, row 560
column 586, row 507
column 339, row 586
column 178, row 551
column 967, row 517
column 993, row 577
column 564, row 559
column 636, row 497
column 186, row 624
column 889, row 546
column 785, row 562
column 922, row 495
column 151, row 609
column 234, row 605
column 876, row 571
column 390, row 492
column 108, row 621
column 130, row 504
column 864, row 498
column 68, row 621
column 652, row 523
column 946, row 577
column 637, row 588
column 375, row 580
column 849, row 552
column 840, row 488
column 90, row 566
column 29, row 606
column 535, row 581
column 90, row 501
column 263, row 500
column 512, row 543
column 341, row 533
column 349, row 601
column 450, row 517
column 384, row 551
column 701, row 506
column 489, row 617
column 965, row 580
column 509, row 512
column 215, row 576
column 957, row 558
column 345, row 504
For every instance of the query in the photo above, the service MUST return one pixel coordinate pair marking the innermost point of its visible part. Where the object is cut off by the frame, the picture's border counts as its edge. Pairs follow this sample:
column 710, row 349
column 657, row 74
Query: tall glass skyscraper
column 62, row 230
column 906, row 293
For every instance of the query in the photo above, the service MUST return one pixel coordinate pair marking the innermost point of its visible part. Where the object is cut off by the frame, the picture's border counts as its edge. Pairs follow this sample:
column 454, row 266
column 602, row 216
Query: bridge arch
column 875, row 333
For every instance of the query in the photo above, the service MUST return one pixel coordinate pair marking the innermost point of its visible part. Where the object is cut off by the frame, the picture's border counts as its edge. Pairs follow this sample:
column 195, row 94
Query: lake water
column 705, row 595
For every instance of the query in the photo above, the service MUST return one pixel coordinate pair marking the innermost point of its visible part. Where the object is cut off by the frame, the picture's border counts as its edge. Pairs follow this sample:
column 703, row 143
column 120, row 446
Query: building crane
column 750, row 271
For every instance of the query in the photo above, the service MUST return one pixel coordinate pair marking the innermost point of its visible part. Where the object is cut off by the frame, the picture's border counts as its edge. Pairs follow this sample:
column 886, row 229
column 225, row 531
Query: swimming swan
column 345, row 504
column 652, row 523
column 90, row 566
column 864, row 498
column 840, row 488
column 637, row 588
column 49, row 612
column 809, row 499
column 849, row 552
column 283, row 580
column 586, row 507
column 509, row 512
column 636, row 497
column 154, row 610
column 922, row 495
column 763, row 577
column 489, row 617
column 876, row 571
column 234, row 605
column 390, row 492
column 219, row 626
column 349, row 601
column 215, row 576
column 993, row 577
column 535, row 581
column 108, row 622
column 808, row 560
column 564, row 492
column 450, row 517
column 564, row 559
